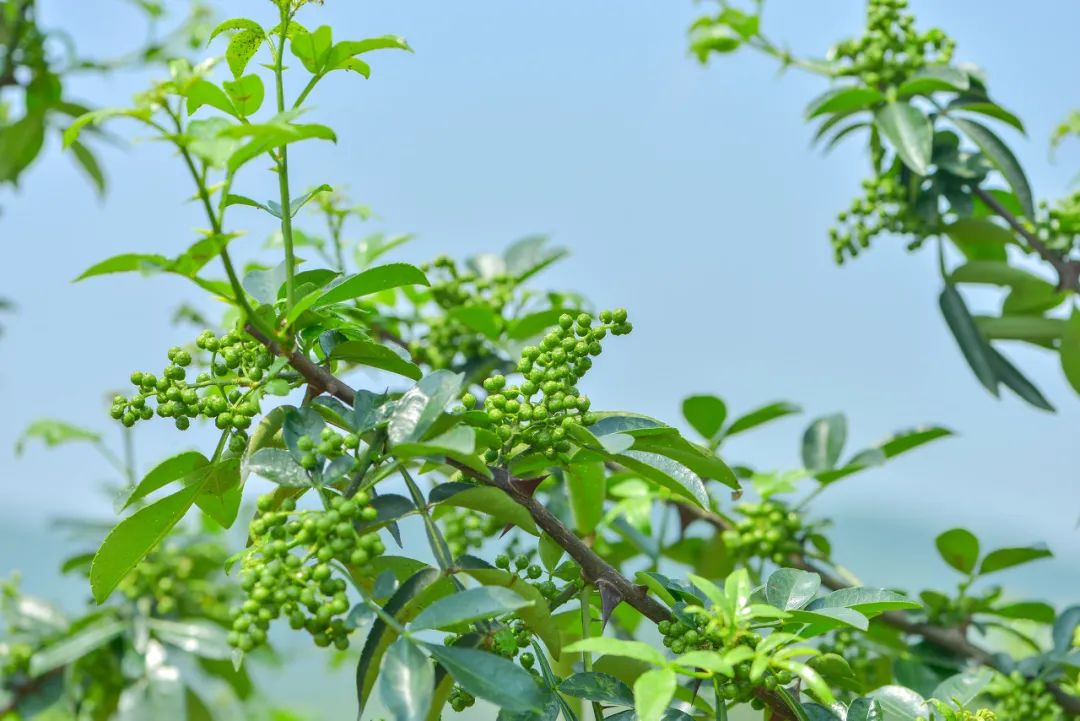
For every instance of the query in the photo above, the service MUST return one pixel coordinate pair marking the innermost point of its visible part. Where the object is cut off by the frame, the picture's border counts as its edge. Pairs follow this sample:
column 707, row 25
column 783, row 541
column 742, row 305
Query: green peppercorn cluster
column 547, row 402
column 885, row 207
column 766, row 530
column 465, row 529
column 524, row 568
column 1058, row 225
column 891, row 50
column 289, row 572
column 506, row 640
column 705, row 632
column 1024, row 698
column 447, row 338
column 460, row 699
column 182, row 580
column 330, row 445
column 227, row 393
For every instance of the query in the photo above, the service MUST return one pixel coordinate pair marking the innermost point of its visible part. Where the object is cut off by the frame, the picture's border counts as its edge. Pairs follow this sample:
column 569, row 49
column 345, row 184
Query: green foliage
column 473, row 420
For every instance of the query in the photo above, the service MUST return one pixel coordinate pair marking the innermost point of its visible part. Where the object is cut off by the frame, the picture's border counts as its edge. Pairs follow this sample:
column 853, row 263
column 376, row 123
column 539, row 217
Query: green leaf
column 934, row 78
column 899, row 703
column 169, row 470
column 204, row 92
column 959, row 548
column 962, row 688
column 1003, row 558
column 125, row 264
column 491, row 677
column 653, row 692
column 982, row 106
column 830, row 617
column 823, row 441
column 617, row 647
column 910, row 133
column 676, row 448
column 470, row 605
column 586, row 485
column 235, row 24
column 242, row 47
column 134, row 537
column 375, row 355
column 993, row 272
column 1018, row 382
column 94, row 117
column 706, row 414
column 843, row 100
column 980, row 238
column 372, row 280
column 905, row 441
column 75, row 645
column 790, row 588
column 1003, row 159
column 537, row 616
column 245, row 93
column 977, row 353
column 486, row 499
column 1036, row 611
column 406, row 682
column 596, row 686
column 760, row 416
column 665, row 472
column 1030, row 328
column 865, row 709
column 550, row 552
column 867, row 601
column 277, row 466
column 54, row 433
column 313, row 48
column 478, row 318
column 421, row 405
column 89, row 163
column 195, row 636
column 533, row 324
column 1070, row 350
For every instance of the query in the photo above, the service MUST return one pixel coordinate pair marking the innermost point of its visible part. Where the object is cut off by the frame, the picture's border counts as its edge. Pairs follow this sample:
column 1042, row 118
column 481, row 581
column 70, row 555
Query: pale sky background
column 687, row 194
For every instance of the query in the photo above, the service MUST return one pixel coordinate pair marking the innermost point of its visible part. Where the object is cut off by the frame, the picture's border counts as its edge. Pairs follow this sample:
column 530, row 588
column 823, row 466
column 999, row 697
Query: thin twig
column 1068, row 270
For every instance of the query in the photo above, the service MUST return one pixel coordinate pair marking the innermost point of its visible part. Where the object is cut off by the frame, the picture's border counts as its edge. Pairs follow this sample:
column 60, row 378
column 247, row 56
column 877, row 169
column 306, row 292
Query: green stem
column 215, row 227
column 283, row 171
column 586, row 632
column 435, row 537
column 304, row 93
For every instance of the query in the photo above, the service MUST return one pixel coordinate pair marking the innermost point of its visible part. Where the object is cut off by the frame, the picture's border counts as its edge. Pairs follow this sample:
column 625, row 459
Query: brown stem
column 1068, row 270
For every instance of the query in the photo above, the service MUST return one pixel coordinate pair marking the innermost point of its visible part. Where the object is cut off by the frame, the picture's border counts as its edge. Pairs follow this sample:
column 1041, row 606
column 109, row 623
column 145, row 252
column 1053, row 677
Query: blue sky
column 687, row 194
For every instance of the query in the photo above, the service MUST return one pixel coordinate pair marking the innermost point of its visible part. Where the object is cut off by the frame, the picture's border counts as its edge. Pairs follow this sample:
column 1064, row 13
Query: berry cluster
column 885, row 207
column 523, row 567
column 766, row 530
column 547, row 402
column 465, row 529
column 234, row 364
column 182, row 580
column 506, row 640
column 704, row 632
column 330, row 445
column 1059, row 224
column 460, row 699
column 891, row 49
column 1024, row 698
column 447, row 338
column 280, row 582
